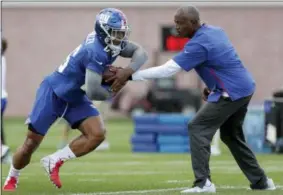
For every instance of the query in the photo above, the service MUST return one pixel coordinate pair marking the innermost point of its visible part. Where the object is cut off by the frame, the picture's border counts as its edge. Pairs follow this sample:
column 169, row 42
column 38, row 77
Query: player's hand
column 205, row 93
column 120, row 79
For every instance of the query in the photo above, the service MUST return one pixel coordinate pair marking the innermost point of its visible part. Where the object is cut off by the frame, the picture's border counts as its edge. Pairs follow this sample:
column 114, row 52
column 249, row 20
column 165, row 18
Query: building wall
column 40, row 39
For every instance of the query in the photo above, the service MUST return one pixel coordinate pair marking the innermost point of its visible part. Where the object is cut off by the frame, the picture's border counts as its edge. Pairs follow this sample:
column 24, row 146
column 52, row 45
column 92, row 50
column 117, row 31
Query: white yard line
column 91, row 180
column 177, row 181
column 161, row 190
column 131, row 192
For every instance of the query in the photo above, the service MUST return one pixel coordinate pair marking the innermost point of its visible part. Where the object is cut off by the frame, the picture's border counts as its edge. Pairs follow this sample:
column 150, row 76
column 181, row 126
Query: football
column 108, row 73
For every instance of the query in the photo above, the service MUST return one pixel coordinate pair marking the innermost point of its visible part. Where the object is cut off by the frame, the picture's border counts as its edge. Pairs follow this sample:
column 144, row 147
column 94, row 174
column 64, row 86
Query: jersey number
column 72, row 54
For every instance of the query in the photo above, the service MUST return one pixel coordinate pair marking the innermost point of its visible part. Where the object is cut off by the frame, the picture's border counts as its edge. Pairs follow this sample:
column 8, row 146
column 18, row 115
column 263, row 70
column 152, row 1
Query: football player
column 60, row 95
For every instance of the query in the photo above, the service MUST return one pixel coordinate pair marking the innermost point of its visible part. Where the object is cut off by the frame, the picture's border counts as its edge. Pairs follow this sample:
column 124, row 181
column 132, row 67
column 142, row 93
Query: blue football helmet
column 112, row 29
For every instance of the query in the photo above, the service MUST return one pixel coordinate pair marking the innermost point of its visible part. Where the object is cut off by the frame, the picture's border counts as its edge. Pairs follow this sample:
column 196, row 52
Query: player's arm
column 93, row 87
column 137, row 54
column 139, row 57
column 192, row 55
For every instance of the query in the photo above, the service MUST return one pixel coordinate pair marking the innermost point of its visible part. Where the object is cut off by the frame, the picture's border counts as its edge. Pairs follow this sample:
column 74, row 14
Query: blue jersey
column 68, row 79
column 215, row 60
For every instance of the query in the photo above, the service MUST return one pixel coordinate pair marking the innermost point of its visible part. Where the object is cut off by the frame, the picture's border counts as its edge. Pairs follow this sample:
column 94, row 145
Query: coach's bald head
column 187, row 21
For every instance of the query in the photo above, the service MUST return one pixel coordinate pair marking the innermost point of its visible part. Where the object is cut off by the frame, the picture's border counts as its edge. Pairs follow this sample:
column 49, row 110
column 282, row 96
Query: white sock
column 64, row 154
column 13, row 172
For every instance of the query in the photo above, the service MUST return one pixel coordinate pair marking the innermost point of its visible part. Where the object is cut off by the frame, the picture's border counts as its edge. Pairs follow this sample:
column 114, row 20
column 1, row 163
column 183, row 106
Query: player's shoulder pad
column 129, row 48
column 95, row 49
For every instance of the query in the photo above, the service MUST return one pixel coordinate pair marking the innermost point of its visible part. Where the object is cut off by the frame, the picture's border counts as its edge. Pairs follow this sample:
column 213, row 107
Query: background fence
column 41, row 35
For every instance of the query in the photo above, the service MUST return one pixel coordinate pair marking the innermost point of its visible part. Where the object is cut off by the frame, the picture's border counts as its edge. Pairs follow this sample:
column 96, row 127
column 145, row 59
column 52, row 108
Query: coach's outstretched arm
column 192, row 56
column 93, row 86
column 166, row 70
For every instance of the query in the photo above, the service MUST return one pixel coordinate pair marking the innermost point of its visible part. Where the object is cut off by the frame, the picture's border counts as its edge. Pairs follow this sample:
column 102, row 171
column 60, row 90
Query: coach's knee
column 192, row 127
column 193, row 132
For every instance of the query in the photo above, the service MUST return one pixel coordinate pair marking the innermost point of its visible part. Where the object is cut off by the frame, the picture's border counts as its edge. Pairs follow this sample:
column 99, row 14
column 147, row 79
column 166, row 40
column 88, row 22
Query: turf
column 119, row 171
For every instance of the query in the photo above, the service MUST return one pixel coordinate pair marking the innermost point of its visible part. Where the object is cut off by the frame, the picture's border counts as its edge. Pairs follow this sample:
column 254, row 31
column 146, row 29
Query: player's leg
column 232, row 135
column 102, row 107
column 85, row 117
column 93, row 134
column 39, row 121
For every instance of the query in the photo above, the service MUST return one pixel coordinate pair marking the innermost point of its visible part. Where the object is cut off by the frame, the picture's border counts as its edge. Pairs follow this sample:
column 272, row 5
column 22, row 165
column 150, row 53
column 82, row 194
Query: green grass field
column 118, row 171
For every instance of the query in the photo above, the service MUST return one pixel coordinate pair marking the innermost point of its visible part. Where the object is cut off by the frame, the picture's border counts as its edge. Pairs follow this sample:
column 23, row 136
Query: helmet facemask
column 115, row 37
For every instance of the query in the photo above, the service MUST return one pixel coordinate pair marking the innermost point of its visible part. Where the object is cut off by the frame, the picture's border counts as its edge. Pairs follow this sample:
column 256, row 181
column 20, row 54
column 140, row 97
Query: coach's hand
column 120, row 79
column 205, row 93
